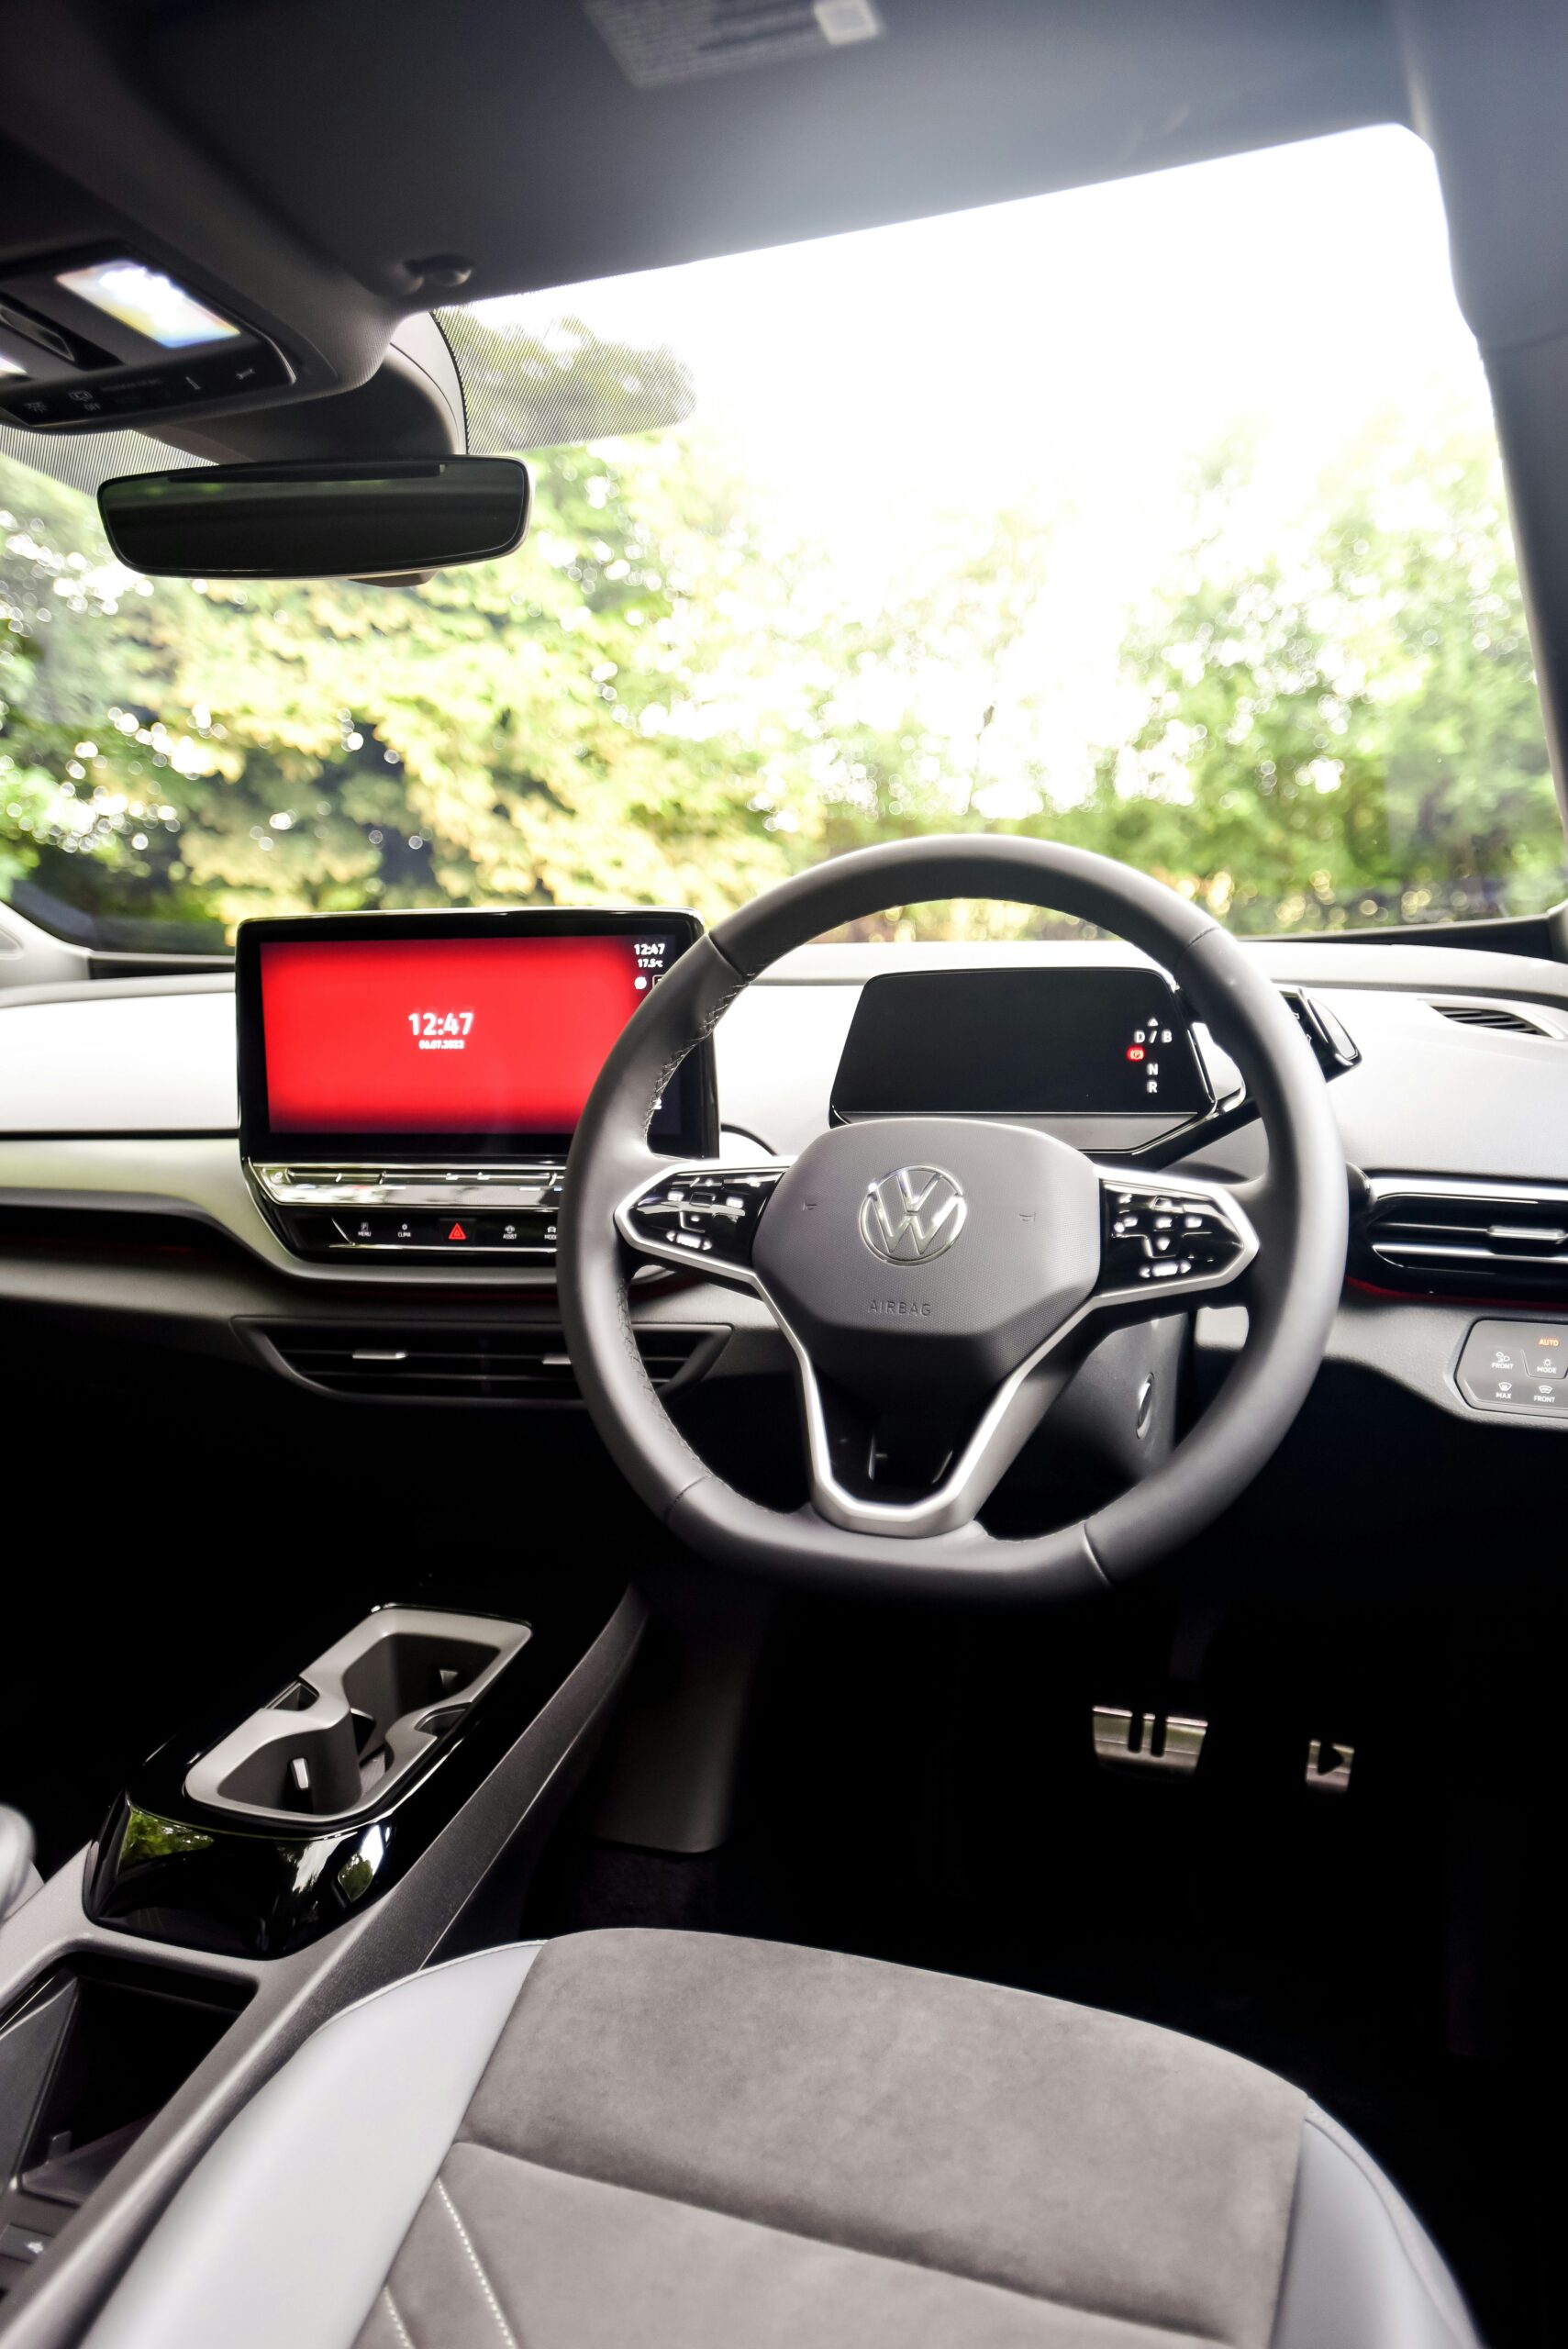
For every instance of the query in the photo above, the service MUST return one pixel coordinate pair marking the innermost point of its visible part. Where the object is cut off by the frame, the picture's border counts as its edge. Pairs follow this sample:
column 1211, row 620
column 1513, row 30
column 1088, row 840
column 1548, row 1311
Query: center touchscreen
column 474, row 1036
column 422, row 1035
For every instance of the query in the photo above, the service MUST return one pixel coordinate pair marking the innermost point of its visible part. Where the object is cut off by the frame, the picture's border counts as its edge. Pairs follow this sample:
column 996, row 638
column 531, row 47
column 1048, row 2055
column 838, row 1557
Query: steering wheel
column 953, row 1271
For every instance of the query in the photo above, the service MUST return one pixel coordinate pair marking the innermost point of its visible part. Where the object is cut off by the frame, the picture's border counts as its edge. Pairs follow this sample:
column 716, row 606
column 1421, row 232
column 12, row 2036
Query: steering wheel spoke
column 702, row 1214
column 913, row 1474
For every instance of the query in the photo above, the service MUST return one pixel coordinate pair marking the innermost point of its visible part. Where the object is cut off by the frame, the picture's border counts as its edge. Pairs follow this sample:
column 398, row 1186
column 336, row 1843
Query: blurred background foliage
column 657, row 701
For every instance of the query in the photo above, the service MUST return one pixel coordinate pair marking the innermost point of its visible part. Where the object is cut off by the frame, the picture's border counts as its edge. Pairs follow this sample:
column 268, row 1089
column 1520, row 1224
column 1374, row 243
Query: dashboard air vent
column 1500, row 1243
column 438, row 1364
column 1493, row 1015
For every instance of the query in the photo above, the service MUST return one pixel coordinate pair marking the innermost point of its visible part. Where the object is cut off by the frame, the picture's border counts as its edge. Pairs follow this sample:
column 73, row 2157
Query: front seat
column 637, row 2140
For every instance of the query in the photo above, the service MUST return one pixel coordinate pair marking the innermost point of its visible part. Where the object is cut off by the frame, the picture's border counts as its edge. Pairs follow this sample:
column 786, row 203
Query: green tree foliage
column 657, row 701
column 587, row 720
column 1349, row 733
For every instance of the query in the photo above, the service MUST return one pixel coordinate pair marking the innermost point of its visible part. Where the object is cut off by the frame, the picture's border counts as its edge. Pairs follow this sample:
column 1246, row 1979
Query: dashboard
column 437, row 1089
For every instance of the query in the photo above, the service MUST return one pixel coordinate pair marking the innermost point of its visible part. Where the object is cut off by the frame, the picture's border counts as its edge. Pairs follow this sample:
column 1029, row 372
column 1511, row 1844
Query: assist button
column 525, row 1228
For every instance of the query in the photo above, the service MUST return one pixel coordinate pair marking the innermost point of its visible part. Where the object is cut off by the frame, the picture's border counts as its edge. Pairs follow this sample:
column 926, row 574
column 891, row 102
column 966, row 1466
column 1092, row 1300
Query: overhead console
column 99, row 336
column 196, row 319
column 409, row 1084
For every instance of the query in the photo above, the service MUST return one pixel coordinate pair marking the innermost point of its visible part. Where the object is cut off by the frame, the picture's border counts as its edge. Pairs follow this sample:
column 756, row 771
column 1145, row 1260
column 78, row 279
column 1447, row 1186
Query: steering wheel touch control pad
column 1160, row 1235
column 858, row 1254
column 707, row 1213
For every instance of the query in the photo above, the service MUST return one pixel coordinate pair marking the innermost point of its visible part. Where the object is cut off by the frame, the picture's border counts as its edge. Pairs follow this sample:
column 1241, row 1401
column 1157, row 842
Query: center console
column 409, row 1084
column 287, row 1855
column 277, row 1829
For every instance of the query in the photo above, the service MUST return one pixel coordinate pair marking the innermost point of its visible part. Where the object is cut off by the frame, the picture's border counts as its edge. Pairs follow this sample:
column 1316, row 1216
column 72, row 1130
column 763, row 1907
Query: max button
column 1510, row 1393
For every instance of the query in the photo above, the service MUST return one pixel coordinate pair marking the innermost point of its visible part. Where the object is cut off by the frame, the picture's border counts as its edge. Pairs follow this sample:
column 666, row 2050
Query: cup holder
column 357, row 1719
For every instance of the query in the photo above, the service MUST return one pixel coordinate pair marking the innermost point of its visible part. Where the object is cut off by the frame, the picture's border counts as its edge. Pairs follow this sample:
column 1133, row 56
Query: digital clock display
column 441, row 1031
column 499, row 1036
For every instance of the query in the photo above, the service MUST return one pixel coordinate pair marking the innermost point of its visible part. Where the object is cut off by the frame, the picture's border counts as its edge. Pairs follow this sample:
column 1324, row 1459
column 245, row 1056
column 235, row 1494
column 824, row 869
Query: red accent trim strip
column 1557, row 1307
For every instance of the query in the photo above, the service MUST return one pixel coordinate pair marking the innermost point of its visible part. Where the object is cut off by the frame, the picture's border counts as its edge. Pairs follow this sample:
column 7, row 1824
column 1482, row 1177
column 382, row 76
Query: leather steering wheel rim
column 1300, row 1210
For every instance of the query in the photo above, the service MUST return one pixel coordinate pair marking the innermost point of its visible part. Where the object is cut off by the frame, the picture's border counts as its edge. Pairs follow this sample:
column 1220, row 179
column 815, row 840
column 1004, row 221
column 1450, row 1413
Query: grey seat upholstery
column 18, row 1877
column 682, row 2140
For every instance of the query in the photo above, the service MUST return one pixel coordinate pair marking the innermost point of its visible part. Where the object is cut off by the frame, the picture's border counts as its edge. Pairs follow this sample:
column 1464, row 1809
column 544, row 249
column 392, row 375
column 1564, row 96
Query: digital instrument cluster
column 1021, row 1043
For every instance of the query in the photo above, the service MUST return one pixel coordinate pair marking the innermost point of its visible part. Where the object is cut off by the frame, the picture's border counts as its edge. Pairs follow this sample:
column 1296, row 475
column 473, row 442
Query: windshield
column 1162, row 518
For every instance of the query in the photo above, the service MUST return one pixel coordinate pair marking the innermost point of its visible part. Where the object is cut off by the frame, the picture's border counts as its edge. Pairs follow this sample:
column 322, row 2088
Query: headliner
column 504, row 131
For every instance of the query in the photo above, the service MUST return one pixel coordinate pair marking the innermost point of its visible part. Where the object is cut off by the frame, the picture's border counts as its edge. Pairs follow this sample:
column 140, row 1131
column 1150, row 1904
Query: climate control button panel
column 1518, row 1367
column 488, row 1212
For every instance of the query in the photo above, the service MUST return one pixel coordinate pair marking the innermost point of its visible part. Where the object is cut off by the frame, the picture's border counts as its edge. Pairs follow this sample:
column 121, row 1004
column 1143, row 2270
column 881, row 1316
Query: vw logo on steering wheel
column 912, row 1215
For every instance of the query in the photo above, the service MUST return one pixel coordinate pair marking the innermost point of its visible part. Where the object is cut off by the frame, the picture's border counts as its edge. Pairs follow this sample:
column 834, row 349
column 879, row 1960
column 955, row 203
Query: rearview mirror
column 398, row 519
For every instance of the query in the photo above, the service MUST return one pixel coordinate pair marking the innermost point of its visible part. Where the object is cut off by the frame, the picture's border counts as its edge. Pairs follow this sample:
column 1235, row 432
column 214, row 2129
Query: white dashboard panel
column 102, row 1062
column 1429, row 1095
column 777, row 1050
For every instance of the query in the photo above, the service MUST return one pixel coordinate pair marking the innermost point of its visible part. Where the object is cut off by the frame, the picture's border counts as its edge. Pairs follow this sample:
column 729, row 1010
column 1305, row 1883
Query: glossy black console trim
column 170, row 1869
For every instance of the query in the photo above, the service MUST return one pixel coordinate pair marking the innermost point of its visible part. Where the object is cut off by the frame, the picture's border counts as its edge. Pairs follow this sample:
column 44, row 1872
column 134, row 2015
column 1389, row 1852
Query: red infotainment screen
column 441, row 1039
column 496, row 1035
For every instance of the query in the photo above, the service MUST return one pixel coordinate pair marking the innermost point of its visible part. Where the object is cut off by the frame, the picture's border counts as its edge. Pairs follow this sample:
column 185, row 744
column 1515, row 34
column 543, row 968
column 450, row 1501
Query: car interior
column 780, row 1538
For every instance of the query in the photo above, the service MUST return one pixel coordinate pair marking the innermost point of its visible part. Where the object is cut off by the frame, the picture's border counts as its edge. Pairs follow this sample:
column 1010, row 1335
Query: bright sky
column 1075, row 348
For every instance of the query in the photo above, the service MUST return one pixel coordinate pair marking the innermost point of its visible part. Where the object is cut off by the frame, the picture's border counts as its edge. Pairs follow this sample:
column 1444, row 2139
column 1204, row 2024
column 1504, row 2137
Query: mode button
column 1546, row 1354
